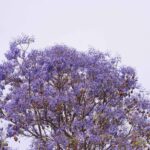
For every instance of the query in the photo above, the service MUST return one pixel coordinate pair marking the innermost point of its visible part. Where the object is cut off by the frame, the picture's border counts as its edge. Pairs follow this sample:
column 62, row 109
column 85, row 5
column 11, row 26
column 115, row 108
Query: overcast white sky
column 119, row 26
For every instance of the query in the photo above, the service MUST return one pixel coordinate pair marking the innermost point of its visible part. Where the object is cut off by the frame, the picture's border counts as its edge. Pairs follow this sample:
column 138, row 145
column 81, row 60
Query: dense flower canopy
column 66, row 99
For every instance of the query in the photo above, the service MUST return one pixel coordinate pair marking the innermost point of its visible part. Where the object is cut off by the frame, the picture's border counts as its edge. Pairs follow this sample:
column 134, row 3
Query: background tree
column 66, row 99
column 3, row 142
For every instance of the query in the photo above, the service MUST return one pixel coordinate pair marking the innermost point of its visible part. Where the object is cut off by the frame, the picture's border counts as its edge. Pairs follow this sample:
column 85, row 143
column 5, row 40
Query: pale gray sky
column 119, row 26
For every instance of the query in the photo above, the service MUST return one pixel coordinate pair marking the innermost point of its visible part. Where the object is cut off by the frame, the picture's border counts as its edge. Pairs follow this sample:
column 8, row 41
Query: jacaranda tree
column 70, row 100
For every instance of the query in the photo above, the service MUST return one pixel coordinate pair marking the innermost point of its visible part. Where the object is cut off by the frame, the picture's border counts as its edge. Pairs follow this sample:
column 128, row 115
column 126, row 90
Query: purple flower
column 66, row 99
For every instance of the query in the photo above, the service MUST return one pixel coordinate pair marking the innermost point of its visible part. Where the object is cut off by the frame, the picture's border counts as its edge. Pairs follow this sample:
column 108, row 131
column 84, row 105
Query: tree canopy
column 66, row 99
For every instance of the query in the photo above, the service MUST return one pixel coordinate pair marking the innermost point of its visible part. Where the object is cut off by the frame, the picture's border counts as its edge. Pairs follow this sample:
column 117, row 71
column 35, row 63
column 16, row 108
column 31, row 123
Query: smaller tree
column 67, row 99
column 3, row 143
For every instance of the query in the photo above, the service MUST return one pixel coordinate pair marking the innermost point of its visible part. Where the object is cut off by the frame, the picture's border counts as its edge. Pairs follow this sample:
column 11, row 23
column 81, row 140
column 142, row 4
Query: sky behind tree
column 121, row 27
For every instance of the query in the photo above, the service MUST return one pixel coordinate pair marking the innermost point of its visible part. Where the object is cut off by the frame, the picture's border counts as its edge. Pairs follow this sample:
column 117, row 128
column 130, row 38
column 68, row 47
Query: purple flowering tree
column 65, row 99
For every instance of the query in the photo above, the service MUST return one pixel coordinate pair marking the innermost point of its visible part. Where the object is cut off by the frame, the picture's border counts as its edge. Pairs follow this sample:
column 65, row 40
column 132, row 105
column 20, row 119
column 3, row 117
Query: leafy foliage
column 66, row 99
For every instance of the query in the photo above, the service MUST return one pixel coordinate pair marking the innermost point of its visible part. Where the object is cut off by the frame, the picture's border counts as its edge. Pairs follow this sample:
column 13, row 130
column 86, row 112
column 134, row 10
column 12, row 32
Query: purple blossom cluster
column 66, row 99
